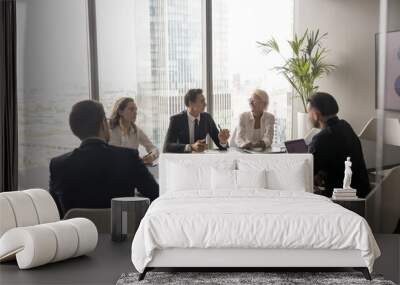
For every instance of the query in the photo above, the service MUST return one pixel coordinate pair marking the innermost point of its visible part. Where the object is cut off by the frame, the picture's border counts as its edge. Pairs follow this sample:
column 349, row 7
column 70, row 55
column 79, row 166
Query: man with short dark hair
column 188, row 130
column 91, row 175
column 333, row 145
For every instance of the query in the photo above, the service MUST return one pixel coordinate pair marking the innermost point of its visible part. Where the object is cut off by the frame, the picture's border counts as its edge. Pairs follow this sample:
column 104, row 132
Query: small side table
column 357, row 205
column 126, row 214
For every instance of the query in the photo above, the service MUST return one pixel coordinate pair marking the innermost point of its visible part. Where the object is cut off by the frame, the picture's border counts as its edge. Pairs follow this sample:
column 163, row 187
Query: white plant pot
column 303, row 125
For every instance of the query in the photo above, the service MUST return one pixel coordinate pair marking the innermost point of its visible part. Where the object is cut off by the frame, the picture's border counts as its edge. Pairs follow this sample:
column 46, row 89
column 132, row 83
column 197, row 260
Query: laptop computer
column 296, row 146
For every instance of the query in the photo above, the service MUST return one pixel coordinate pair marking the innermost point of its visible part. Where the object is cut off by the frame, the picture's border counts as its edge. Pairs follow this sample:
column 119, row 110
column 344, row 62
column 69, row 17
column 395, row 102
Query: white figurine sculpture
column 347, row 174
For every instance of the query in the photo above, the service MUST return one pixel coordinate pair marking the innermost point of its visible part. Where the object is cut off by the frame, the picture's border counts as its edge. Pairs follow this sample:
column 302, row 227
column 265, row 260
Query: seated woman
column 256, row 128
column 124, row 131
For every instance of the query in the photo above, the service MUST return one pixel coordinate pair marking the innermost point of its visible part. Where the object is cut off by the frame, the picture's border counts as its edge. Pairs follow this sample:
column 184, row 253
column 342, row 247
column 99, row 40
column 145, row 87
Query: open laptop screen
column 296, row 146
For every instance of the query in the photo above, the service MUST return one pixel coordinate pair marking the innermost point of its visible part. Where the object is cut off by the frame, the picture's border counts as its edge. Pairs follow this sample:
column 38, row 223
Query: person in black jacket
column 91, row 175
column 188, row 130
column 333, row 145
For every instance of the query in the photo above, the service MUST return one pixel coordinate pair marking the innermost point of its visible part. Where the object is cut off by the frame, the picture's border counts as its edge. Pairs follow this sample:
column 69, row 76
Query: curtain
column 8, row 97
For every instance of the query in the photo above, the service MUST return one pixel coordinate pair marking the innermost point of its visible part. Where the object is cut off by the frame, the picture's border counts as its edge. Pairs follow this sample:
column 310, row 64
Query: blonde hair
column 262, row 95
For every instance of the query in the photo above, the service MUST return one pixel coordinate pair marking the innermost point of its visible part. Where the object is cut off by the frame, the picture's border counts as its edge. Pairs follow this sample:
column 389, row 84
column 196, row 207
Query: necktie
column 196, row 130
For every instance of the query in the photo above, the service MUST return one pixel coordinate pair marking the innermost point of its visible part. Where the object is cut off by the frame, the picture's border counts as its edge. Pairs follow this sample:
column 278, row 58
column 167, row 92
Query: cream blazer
column 133, row 140
column 246, row 128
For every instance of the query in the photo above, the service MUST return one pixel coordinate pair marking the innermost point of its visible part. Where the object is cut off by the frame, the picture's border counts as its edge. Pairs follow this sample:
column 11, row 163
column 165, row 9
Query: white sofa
column 31, row 231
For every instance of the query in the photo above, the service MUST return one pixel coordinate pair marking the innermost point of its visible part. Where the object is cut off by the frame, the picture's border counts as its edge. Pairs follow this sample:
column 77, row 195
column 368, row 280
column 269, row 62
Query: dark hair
column 120, row 105
column 324, row 103
column 191, row 96
column 85, row 118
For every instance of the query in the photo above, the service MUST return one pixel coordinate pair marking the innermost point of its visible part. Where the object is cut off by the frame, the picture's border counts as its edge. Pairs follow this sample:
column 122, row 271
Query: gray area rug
column 228, row 278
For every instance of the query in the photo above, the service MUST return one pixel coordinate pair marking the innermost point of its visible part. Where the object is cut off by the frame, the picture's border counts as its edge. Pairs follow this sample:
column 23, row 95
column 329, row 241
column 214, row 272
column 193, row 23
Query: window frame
column 207, row 56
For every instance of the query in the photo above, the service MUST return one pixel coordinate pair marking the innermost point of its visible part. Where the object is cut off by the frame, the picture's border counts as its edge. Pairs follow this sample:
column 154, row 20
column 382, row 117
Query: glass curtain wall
column 52, row 73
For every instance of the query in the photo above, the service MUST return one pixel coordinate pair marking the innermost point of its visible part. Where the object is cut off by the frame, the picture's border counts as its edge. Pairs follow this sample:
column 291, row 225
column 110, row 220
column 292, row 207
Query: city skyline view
column 168, row 61
column 162, row 47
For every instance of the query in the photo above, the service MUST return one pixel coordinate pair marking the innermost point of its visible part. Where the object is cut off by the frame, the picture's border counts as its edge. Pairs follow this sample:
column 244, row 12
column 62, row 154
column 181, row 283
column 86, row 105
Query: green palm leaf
column 306, row 65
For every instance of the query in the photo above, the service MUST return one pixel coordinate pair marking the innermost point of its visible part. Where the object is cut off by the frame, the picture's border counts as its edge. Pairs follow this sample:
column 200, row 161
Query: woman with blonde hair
column 256, row 128
column 124, row 131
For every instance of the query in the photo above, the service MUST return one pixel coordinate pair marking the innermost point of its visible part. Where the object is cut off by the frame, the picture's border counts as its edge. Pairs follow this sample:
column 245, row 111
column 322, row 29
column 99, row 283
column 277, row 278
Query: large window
column 239, row 66
column 52, row 70
column 162, row 58
column 150, row 50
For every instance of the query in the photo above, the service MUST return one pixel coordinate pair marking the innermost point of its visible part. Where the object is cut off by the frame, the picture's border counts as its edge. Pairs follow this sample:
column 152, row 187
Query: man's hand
column 199, row 146
column 223, row 136
column 148, row 159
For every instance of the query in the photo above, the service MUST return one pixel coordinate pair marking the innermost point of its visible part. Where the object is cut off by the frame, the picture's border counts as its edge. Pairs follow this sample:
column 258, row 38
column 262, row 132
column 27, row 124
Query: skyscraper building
column 175, row 63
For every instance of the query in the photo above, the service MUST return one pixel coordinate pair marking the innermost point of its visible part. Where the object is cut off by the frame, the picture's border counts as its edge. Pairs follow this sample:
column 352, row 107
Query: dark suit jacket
column 330, row 148
column 91, row 175
column 178, row 132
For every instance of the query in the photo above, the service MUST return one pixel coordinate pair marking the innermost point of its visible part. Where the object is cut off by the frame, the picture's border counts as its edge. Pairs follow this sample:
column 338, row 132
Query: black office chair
column 100, row 217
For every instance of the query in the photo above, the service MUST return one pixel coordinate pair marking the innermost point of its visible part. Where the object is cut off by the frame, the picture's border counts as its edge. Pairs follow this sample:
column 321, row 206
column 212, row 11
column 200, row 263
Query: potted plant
column 302, row 70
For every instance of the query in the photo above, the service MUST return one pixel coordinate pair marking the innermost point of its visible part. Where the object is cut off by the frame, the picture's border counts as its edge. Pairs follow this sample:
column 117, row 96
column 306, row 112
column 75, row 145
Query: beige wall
column 351, row 26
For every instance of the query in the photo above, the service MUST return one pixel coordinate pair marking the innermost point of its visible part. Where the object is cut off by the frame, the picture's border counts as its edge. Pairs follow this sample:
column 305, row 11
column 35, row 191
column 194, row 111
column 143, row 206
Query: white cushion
column 292, row 178
column 226, row 179
column 292, row 174
column 26, row 208
column 87, row 233
column 32, row 246
column 184, row 177
column 23, row 208
column 193, row 174
column 223, row 179
column 67, row 239
column 40, row 244
column 7, row 218
column 251, row 178
column 45, row 206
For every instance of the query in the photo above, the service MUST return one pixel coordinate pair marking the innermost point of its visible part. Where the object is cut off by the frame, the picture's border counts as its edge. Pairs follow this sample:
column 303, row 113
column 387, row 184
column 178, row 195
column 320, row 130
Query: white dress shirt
column 191, row 123
column 247, row 133
column 132, row 140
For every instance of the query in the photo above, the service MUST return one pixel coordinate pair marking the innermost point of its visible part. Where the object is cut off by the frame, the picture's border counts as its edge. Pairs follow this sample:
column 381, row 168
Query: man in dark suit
column 91, row 175
column 333, row 145
column 188, row 130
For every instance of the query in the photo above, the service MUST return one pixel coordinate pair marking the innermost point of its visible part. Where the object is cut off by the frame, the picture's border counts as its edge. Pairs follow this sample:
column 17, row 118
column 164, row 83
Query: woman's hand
column 248, row 145
column 260, row 144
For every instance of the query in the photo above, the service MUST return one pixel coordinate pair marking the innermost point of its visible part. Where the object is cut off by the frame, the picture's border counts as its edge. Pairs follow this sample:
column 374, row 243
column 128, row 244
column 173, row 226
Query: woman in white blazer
column 256, row 128
column 124, row 131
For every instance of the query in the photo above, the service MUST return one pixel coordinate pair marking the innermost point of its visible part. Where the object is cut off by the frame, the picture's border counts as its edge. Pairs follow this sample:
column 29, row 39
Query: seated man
column 91, row 175
column 187, row 130
column 333, row 145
